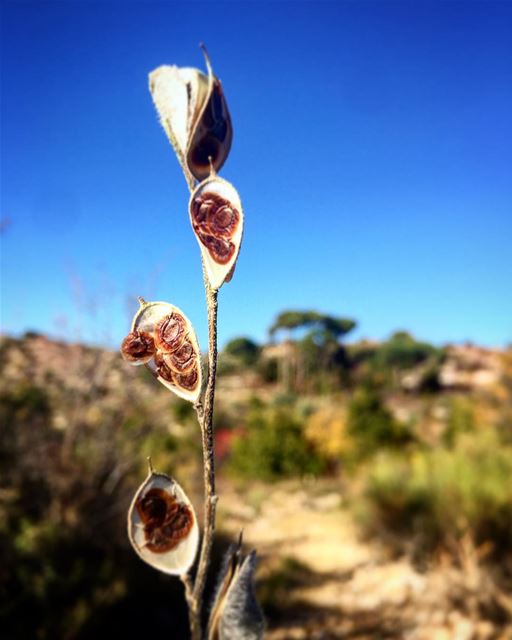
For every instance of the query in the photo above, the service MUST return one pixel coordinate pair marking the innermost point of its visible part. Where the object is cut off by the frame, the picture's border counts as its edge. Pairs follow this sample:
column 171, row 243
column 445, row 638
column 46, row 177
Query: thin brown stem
column 193, row 614
column 204, row 410
column 210, row 497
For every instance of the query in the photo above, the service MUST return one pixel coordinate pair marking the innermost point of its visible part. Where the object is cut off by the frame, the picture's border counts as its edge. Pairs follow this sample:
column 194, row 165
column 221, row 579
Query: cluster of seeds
column 166, row 521
column 215, row 221
column 176, row 358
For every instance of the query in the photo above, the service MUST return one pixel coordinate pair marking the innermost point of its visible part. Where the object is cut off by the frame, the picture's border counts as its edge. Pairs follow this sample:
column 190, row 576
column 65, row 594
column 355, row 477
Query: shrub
column 274, row 446
column 371, row 425
column 445, row 493
column 326, row 428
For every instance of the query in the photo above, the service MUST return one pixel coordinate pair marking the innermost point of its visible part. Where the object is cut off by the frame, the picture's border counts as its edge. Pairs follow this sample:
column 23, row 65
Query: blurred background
column 364, row 407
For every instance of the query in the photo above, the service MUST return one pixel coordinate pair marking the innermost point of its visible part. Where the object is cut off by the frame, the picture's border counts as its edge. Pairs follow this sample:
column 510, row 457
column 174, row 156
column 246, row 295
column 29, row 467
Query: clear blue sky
column 372, row 152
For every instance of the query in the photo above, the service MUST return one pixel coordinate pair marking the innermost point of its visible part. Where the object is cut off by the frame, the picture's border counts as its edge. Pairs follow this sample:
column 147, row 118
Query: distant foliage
column 292, row 320
column 391, row 359
column 461, row 419
column 327, row 429
column 242, row 351
column 274, row 446
column 439, row 494
column 403, row 351
column 371, row 425
column 316, row 360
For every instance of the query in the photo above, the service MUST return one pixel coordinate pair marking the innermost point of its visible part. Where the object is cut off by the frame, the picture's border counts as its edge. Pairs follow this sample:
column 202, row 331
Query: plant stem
column 204, row 411
column 194, row 595
column 193, row 617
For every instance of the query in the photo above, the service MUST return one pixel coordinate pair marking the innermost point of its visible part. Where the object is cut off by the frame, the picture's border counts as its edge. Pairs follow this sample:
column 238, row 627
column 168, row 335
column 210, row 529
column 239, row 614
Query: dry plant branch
column 162, row 525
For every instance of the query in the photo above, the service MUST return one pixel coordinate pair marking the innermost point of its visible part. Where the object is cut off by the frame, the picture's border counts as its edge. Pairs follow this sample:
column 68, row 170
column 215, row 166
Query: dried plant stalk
column 194, row 114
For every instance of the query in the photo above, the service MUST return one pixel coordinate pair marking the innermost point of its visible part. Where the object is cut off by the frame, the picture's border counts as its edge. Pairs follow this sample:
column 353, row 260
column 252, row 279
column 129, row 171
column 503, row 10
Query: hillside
column 375, row 488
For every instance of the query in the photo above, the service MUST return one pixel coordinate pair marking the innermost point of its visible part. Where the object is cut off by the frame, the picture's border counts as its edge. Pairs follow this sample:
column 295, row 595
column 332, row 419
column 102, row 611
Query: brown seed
column 166, row 521
column 188, row 380
column 200, row 208
column 220, row 250
column 138, row 347
column 183, row 359
column 170, row 332
column 213, row 214
column 223, row 220
column 162, row 368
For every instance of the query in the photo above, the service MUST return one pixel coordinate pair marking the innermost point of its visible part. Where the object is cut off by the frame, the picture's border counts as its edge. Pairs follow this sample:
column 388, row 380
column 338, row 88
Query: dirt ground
column 319, row 579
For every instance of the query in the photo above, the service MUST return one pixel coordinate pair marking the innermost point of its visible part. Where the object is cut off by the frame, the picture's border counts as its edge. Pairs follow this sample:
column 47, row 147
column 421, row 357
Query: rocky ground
column 320, row 580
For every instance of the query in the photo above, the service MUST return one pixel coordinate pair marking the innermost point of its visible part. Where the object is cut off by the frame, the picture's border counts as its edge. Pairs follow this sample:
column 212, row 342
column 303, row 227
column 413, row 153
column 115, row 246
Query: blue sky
column 372, row 152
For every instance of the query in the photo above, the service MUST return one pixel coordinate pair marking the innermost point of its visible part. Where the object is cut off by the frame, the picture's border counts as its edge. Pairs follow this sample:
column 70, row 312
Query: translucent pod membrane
column 217, row 219
column 235, row 613
column 195, row 116
column 163, row 338
column 162, row 525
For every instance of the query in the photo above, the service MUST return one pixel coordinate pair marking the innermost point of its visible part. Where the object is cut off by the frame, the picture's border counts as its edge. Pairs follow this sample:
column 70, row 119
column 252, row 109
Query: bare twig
column 204, row 411
column 194, row 595
column 208, row 449
column 193, row 614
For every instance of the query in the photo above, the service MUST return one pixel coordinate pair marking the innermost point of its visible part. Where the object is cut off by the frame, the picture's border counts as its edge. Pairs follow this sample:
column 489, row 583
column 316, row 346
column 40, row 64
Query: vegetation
column 439, row 495
column 274, row 446
column 372, row 425
column 422, row 467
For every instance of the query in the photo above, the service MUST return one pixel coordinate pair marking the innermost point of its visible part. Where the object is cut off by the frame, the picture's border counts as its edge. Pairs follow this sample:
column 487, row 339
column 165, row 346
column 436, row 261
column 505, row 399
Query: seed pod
column 162, row 525
column 236, row 614
column 138, row 347
column 217, row 219
column 177, row 359
column 194, row 114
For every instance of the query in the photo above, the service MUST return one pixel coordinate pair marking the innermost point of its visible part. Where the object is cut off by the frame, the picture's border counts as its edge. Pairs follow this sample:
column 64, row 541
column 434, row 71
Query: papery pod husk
column 236, row 614
column 168, row 542
column 212, row 132
column 146, row 318
column 194, row 114
column 178, row 94
column 219, row 247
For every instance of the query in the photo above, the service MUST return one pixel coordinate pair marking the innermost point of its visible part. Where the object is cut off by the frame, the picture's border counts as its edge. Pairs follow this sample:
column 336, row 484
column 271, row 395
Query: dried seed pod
column 138, row 347
column 217, row 219
column 177, row 359
column 212, row 132
column 194, row 114
column 235, row 613
column 162, row 525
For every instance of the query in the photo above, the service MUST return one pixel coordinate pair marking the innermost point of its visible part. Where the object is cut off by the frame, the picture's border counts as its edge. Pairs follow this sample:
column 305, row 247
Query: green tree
column 243, row 350
column 318, row 357
column 402, row 351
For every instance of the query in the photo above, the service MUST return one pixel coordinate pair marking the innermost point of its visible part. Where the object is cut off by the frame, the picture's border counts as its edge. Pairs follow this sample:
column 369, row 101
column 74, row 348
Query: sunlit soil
column 318, row 578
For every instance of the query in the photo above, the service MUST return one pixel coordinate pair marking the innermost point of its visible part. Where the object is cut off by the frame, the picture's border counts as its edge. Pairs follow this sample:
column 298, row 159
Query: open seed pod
column 162, row 525
column 163, row 338
column 236, row 614
column 217, row 219
column 195, row 116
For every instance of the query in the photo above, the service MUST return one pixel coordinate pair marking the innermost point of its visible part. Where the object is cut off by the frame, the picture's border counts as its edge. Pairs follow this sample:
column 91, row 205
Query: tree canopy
column 322, row 327
column 243, row 349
